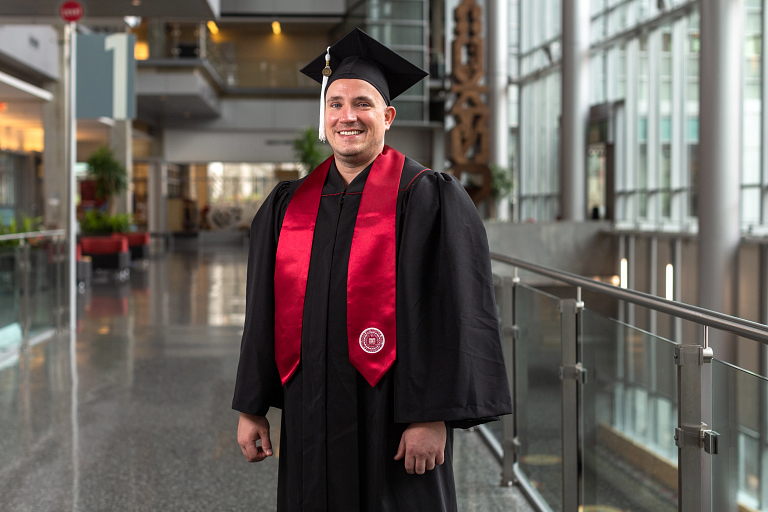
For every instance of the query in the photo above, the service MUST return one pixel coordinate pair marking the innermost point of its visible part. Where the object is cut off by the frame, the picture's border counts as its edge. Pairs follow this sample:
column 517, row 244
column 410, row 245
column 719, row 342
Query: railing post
column 59, row 244
column 508, row 329
column 691, row 434
column 571, row 374
column 24, row 270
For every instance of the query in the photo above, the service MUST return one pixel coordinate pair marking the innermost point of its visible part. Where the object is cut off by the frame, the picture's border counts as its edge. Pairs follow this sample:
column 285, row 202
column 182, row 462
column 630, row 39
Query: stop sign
column 71, row 11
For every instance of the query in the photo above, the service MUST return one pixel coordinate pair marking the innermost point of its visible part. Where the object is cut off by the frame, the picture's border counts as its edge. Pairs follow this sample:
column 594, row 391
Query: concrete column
column 719, row 214
column 498, row 80
column 575, row 109
column 438, row 149
column 121, row 142
column 54, row 148
column 720, row 146
column 157, row 203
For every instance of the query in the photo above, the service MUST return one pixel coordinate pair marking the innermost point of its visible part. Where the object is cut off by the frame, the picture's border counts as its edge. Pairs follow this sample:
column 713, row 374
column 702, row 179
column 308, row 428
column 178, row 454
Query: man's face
column 356, row 118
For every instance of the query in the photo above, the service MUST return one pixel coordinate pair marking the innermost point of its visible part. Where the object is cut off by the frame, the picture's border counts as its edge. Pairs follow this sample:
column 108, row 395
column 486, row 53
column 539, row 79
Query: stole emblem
column 371, row 340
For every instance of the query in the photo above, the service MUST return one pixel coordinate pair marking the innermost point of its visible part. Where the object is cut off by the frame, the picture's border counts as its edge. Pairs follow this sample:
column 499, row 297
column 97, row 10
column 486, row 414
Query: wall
column 30, row 47
column 582, row 248
column 251, row 130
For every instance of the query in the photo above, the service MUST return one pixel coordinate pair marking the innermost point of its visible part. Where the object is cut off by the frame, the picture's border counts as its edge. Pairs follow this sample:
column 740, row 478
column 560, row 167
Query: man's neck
column 349, row 173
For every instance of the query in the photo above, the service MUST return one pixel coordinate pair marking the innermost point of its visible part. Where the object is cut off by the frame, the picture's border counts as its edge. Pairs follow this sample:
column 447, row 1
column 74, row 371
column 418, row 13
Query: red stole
column 371, row 325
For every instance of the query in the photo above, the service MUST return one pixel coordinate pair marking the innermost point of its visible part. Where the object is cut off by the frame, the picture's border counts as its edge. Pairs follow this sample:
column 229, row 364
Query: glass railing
column 629, row 417
column 193, row 43
column 739, row 476
column 33, row 274
column 598, row 424
column 537, row 385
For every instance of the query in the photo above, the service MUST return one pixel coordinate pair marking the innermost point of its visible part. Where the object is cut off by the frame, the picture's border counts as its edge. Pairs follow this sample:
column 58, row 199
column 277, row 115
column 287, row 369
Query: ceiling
column 199, row 9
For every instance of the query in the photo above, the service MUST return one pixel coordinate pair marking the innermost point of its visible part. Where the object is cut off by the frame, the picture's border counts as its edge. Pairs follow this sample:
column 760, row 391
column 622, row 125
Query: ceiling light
column 213, row 28
column 132, row 21
column 276, row 27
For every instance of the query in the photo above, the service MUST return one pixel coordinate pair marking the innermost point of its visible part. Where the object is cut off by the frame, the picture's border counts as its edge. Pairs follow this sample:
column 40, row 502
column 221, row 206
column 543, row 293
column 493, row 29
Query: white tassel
column 326, row 74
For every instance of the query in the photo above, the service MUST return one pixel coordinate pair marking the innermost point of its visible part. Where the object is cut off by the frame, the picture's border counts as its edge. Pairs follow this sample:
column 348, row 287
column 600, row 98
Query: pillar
column 719, row 215
column 121, row 142
column 498, row 80
column 719, row 189
column 157, row 204
column 575, row 116
column 55, row 149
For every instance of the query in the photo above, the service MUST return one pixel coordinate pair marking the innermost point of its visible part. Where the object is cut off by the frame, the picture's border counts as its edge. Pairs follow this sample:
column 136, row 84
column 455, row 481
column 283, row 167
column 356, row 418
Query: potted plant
column 308, row 149
column 109, row 175
column 501, row 188
column 96, row 223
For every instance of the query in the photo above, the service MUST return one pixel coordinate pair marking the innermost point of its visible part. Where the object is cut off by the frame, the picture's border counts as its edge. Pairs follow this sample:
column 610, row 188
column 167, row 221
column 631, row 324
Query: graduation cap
column 359, row 56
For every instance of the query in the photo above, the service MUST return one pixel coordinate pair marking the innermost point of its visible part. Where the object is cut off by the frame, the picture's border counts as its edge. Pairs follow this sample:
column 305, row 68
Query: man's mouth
column 350, row 132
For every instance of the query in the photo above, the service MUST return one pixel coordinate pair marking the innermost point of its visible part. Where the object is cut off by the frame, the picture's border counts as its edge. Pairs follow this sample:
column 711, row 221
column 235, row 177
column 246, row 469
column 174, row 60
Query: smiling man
column 370, row 316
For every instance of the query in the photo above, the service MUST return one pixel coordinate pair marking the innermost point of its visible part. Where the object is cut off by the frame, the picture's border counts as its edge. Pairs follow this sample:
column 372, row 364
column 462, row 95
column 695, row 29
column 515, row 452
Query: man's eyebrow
column 358, row 98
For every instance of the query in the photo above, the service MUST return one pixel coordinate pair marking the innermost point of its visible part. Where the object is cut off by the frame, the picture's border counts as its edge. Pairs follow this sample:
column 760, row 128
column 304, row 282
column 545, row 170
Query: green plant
column 308, row 149
column 28, row 225
column 501, row 181
column 97, row 223
column 110, row 175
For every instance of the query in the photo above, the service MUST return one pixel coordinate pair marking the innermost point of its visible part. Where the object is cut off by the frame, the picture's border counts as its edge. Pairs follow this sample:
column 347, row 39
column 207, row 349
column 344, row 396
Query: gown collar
column 334, row 183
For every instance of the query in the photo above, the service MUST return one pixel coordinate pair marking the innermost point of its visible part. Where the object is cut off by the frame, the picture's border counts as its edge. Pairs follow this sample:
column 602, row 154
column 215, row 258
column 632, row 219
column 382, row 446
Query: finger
column 410, row 464
column 440, row 458
column 420, row 465
column 430, row 464
column 251, row 453
column 400, row 450
column 266, row 443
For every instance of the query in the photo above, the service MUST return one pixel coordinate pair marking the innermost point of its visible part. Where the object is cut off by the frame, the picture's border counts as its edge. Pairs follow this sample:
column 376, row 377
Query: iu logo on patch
column 371, row 340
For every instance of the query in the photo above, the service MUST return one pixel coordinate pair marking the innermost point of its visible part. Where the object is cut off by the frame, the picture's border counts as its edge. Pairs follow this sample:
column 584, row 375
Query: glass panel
column 398, row 34
column 42, row 286
column 378, row 10
column 738, row 410
column 409, row 110
column 630, row 413
column 750, row 205
column 537, row 365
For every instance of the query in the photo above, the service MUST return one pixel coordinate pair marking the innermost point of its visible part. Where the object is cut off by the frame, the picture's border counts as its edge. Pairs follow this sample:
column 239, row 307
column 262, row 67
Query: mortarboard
column 359, row 56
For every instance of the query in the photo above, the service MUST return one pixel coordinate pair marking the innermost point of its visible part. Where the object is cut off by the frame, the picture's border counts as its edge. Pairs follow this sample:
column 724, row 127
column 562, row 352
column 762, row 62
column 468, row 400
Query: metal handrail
column 739, row 326
column 33, row 234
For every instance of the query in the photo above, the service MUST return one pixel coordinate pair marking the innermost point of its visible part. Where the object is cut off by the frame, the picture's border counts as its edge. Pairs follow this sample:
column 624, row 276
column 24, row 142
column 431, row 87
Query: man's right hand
column 249, row 430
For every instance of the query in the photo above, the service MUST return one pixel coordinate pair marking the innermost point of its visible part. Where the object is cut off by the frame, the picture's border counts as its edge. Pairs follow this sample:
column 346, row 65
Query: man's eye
column 335, row 105
column 364, row 105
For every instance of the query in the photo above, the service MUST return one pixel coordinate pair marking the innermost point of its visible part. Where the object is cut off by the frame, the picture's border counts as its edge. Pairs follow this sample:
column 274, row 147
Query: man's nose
column 348, row 114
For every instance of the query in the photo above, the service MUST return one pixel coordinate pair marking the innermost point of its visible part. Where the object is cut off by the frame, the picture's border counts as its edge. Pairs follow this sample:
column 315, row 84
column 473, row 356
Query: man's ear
column 389, row 116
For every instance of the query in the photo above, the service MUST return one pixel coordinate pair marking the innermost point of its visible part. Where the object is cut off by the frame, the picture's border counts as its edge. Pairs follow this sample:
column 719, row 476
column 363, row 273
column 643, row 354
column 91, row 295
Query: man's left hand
column 423, row 446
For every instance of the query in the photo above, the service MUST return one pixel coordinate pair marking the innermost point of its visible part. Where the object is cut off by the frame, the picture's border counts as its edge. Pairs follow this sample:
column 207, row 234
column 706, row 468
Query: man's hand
column 423, row 446
column 249, row 430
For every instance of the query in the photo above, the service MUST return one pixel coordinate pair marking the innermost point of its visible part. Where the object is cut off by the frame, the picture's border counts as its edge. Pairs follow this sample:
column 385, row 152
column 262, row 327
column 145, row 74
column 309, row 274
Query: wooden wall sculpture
column 469, row 138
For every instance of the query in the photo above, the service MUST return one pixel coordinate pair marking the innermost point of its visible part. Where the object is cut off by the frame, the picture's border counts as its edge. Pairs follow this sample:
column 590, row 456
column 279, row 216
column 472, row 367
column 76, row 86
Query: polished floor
column 133, row 413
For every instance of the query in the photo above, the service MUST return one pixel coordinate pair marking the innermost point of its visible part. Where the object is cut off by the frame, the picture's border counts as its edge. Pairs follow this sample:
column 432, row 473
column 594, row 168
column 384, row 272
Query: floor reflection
column 134, row 414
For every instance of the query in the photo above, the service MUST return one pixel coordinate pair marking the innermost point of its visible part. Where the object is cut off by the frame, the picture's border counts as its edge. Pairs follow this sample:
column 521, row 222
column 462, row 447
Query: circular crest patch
column 371, row 340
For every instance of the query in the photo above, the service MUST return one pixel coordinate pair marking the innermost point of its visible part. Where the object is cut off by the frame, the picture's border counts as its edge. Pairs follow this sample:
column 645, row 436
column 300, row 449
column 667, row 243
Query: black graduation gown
column 339, row 435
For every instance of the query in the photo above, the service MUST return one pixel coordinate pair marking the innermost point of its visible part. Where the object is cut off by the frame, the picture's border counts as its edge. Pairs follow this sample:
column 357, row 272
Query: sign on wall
column 106, row 76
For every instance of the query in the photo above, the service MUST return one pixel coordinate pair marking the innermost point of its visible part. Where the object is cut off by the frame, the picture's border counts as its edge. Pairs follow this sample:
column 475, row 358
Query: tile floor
column 134, row 415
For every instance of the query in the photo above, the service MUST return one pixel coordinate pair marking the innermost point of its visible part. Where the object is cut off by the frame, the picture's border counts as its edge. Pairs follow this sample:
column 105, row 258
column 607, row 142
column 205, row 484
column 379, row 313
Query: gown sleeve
column 450, row 365
column 257, row 386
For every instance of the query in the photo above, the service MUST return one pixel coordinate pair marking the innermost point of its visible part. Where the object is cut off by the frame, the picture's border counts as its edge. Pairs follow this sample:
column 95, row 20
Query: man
column 370, row 318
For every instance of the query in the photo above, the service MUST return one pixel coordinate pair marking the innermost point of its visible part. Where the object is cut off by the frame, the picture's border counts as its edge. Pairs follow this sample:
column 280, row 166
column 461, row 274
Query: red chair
column 138, row 244
column 110, row 252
